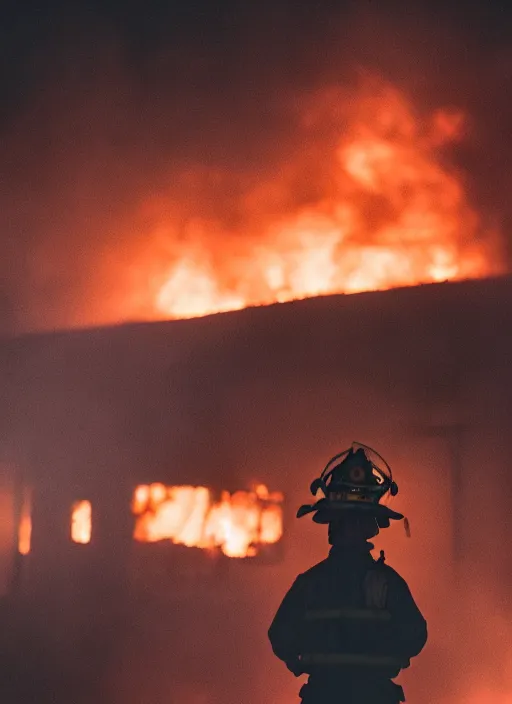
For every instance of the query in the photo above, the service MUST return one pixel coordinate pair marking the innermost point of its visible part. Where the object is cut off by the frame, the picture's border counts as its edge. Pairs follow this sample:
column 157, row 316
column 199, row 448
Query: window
column 25, row 522
column 81, row 522
column 238, row 524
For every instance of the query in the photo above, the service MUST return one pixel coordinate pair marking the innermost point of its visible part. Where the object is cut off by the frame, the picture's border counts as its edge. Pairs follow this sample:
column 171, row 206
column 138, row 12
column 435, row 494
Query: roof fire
column 369, row 202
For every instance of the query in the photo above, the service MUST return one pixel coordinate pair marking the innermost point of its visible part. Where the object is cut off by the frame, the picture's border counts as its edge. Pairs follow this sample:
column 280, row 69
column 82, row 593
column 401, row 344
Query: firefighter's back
column 349, row 648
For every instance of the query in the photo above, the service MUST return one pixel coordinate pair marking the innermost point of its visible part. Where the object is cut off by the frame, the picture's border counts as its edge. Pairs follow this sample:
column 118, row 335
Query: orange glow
column 25, row 524
column 237, row 523
column 81, row 522
column 378, row 207
column 140, row 499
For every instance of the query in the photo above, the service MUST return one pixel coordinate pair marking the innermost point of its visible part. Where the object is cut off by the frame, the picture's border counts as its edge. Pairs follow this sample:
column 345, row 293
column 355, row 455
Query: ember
column 384, row 210
column 237, row 523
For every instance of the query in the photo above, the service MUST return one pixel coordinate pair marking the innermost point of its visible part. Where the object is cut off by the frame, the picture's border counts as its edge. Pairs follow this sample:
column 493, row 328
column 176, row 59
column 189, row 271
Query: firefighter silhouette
column 350, row 622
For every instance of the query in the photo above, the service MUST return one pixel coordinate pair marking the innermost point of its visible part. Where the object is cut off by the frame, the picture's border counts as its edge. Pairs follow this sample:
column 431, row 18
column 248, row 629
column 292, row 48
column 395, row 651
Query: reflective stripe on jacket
column 364, row 614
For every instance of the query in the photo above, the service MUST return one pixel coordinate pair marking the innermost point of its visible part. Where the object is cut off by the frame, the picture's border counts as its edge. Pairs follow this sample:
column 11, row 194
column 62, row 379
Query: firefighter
column 350, row 622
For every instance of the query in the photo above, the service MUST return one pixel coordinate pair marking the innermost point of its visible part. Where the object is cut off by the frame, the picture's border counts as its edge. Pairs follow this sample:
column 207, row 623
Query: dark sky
column 98, row 98
column 286, row 28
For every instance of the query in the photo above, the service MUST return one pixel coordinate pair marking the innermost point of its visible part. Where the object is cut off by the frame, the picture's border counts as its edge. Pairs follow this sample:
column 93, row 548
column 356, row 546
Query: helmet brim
column 327, row 511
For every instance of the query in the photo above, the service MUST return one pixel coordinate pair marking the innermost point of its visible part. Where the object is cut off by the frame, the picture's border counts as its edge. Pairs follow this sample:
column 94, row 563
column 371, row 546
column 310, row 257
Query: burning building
column 151, row 471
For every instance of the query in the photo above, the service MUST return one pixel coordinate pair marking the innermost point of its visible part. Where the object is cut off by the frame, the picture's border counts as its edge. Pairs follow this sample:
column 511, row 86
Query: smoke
column 115, row 114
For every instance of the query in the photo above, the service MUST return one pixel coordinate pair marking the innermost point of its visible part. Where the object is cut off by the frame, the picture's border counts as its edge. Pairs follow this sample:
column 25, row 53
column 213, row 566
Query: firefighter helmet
column 353, row 481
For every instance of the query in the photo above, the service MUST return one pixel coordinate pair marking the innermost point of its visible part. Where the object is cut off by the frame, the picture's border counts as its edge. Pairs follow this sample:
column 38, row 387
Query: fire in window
column 238, row 524
column 25, row 522
column 81, row 522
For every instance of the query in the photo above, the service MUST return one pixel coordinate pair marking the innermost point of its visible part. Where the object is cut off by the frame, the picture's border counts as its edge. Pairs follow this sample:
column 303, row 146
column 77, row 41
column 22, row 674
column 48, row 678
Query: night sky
column 98, row 98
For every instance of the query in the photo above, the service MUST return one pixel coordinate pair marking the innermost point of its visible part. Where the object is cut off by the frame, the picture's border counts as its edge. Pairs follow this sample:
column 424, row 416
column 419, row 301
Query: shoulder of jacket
column 391, row 574
column 313, row 572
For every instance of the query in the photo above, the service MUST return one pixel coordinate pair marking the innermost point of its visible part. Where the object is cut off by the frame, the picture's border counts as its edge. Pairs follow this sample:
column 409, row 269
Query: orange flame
column 368, row 203
column 81, row 522
column 25, row 523
column 237, row 524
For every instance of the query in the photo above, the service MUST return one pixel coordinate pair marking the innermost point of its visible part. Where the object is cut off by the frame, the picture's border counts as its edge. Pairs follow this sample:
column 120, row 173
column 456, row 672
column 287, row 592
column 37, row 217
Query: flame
column 81, row 522
column 25, row 523
column 368, row 202
column 237, row 523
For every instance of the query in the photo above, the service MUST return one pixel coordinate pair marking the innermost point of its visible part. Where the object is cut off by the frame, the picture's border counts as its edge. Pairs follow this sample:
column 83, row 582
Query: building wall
column 270, row 394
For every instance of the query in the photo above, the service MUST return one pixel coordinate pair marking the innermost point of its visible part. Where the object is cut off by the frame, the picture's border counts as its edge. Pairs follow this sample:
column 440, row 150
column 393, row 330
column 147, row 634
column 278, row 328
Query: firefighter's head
column 353, row 484
column 352, row 528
